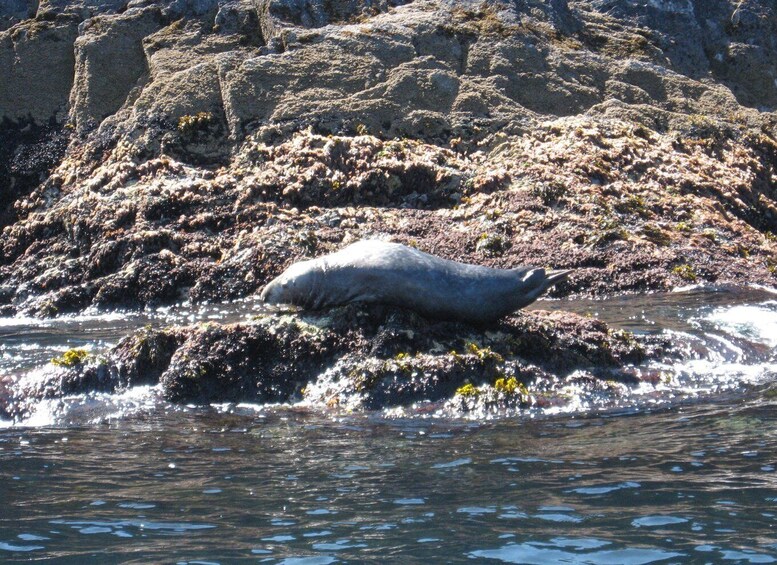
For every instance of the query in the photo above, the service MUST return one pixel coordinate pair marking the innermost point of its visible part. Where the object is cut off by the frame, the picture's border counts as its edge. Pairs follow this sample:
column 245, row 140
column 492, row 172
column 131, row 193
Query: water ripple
column 569, row 551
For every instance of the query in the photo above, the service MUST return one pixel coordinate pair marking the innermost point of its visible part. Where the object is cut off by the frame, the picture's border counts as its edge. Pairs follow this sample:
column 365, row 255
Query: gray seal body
column 390, row 273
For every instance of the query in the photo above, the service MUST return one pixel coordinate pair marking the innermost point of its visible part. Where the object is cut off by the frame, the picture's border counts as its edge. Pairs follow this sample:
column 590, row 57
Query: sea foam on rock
column 356, row 356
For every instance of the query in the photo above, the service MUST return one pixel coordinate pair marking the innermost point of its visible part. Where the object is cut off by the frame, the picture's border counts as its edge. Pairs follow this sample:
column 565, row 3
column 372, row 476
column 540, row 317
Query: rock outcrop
column 632, row 141
column 627, row 208
column 155, row 151
column 357, row 358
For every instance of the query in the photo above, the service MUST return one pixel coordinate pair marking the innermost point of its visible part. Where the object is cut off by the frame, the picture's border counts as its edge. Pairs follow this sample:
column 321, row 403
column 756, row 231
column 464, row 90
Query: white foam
column 688, row 288
column 756, row 323
column 769, row 289
column 21, row 321
column 93, row 408
column 47, row 413
column 130, row 401
column 16, row 321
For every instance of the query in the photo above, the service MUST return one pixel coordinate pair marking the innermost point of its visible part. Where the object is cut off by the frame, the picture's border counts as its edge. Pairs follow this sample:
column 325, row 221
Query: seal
column 374, row 271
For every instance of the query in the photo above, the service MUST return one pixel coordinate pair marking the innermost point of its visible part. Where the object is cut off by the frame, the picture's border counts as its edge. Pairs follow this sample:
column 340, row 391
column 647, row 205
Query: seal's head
column 294, row 286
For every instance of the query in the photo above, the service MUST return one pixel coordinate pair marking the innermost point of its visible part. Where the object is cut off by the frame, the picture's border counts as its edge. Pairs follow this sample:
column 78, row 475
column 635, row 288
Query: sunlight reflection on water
column 696, row 483
column 688, row 475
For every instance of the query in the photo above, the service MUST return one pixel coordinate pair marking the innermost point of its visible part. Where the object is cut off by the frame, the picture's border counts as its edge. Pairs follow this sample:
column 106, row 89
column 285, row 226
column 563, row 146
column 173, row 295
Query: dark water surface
column 681, row 471
column 691, row 484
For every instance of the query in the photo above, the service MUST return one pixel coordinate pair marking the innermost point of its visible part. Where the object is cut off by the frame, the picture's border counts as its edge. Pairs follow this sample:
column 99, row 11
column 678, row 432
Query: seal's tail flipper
column 535, row 282
column 556, row 276
column 544, row 280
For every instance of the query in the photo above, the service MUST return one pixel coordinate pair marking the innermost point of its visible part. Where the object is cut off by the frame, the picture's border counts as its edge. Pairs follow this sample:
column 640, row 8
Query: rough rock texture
column 356, row 357
column 155, row 151
column 627, row 208
column 109, row 63
column 631, row 141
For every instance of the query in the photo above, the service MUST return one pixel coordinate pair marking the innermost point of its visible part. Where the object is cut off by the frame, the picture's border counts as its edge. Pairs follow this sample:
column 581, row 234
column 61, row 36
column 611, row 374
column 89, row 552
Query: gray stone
column 193, row 84
column 14, row 11
column 36, row 63
column 109, row 63
column 732, row 41
column 279, row 15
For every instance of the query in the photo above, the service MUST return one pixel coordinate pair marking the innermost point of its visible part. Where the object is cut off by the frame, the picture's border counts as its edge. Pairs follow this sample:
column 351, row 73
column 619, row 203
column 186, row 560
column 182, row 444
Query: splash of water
column 727, row 339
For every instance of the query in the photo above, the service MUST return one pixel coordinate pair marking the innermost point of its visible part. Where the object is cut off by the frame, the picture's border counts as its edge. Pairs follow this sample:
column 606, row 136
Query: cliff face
column 155, row 150
column 455, row 64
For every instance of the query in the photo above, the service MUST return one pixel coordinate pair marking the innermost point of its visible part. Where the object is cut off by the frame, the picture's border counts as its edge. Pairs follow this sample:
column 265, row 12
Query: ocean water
column 682, row 471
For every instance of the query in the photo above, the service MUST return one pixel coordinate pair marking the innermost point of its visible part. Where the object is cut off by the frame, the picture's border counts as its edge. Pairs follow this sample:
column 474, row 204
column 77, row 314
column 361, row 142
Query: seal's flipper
column 557, row 276
column 533, row 284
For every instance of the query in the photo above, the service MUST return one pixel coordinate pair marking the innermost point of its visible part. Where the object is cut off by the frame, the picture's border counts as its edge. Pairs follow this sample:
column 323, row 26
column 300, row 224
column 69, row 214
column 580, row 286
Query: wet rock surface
column 632, row 142
column 355, row 357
